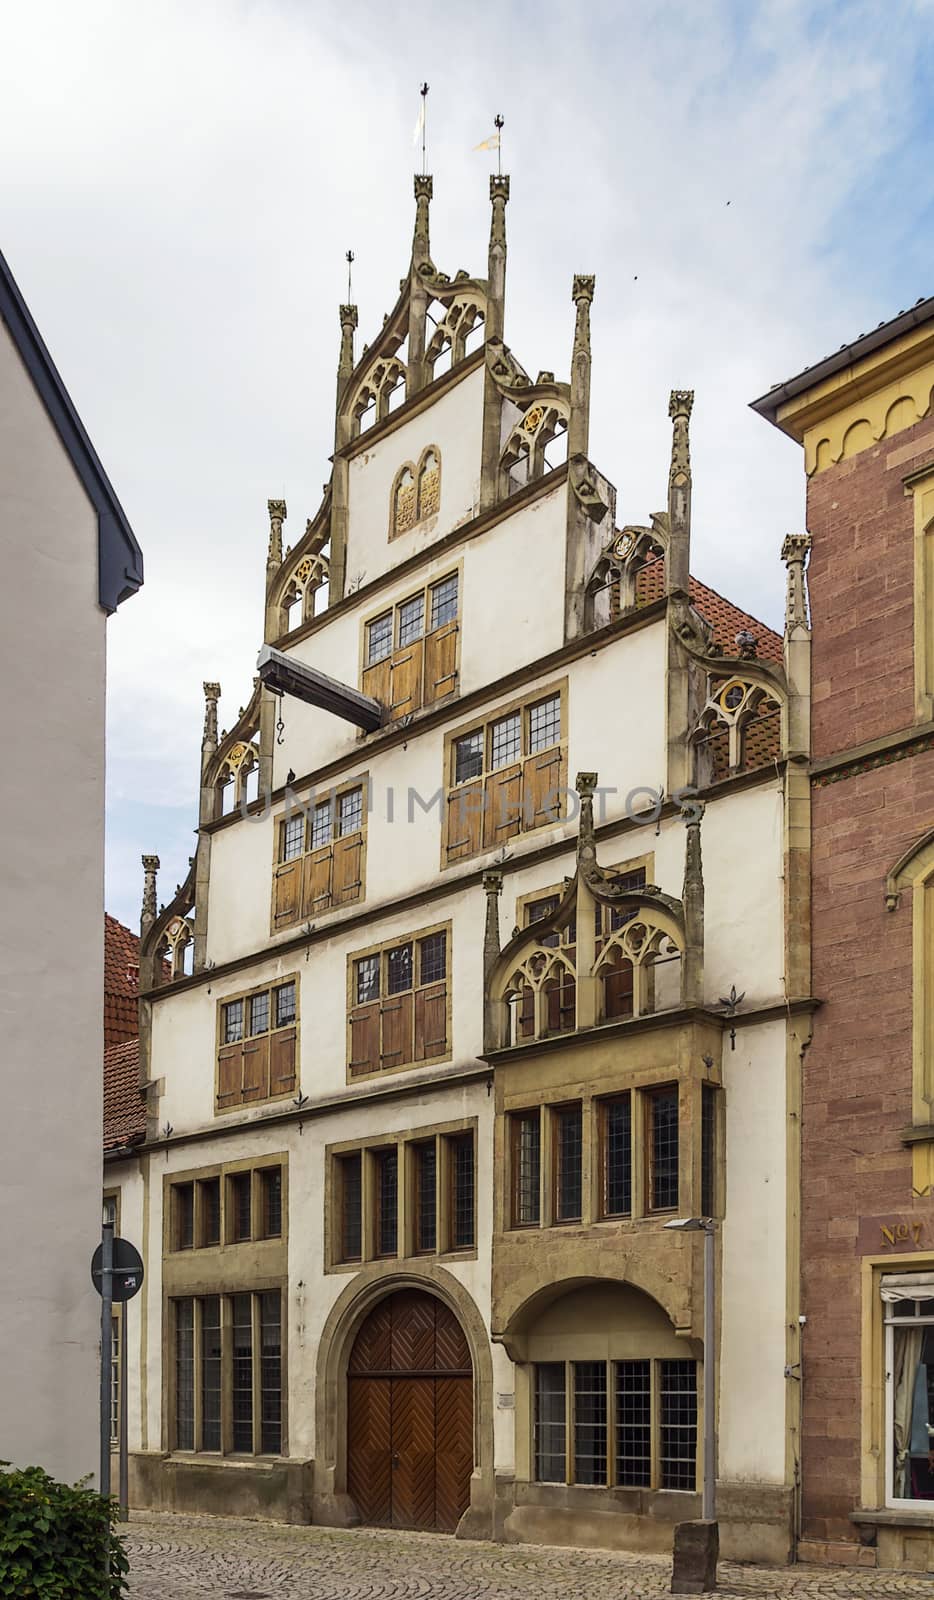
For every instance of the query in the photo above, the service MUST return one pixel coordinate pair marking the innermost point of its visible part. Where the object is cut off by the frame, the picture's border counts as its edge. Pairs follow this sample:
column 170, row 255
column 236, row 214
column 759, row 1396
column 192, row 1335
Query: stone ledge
column 889, row 1517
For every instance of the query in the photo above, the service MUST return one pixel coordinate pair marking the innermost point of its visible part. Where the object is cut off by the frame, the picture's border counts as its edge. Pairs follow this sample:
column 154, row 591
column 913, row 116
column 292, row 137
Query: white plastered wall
column 511, row 604
column 51, row 940
column 753, row 1284
column 619, row 689
column 453, row 425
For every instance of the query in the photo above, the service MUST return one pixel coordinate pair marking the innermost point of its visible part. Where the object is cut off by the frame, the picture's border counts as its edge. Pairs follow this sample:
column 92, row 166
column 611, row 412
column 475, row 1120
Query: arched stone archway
column 333, row 1504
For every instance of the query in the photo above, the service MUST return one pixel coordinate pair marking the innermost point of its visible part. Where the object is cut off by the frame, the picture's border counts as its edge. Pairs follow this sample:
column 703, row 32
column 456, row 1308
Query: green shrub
column 54, row 1540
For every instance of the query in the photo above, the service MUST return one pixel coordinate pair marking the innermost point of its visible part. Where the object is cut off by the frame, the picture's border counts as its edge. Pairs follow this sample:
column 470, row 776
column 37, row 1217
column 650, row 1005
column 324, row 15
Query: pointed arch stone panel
column 333, row 1504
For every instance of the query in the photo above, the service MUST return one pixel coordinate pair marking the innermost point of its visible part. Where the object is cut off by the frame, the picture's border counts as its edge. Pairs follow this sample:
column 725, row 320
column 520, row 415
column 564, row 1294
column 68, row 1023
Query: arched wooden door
column 410, row 1415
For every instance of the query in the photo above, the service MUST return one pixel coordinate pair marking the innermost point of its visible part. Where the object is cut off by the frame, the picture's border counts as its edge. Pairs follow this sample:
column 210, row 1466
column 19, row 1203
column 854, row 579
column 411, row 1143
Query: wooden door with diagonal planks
column 410, row 1415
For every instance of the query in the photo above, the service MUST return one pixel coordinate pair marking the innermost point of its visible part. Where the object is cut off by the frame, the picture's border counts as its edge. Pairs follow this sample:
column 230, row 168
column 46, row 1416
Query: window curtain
column 908, row 1343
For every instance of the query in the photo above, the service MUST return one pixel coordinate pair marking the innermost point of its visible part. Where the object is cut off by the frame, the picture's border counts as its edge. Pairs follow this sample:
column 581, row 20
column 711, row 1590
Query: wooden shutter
column 287, row 893
column 441, row 663
column 256, row 1068
column 525, row 1021
column 347, row 879
column 282, row 1061
column 561, row 1008
column 541, row 801
column 617, row 987
column 465, row 821
column 431, row 1021
column 376, row 680
column 396, row 1030
column 502, row 813
column 229, row 1075
column 405, row 682
column 316, row 883
column 364, row 1038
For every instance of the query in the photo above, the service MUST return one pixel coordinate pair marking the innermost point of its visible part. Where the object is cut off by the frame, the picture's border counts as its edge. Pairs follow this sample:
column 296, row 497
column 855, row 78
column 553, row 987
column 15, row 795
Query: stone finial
column 692, row 899
column 151, row 866
column 677, row 570
column 492, row 888
column 499, row 199
column 579, row 420
column 277, row 515
column 586, row 783
column 795, row 549
column 680, row 406
column 212, row 693
column 348, row 321
column 424, row 189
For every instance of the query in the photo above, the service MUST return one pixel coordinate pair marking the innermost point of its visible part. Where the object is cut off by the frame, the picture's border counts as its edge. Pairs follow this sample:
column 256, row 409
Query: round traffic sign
column 127, row 1279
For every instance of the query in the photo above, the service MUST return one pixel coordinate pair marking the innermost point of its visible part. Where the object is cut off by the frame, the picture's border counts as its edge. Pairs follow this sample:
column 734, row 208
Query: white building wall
column 753, row 1284
column 453, row 426
column 620, row 688
column 51, row 940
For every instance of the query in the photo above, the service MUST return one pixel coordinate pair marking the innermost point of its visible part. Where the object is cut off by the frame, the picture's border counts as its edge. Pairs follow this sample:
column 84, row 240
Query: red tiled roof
column 726, row 619
column 762, row 737
column 121, row 983
column 124, row 1113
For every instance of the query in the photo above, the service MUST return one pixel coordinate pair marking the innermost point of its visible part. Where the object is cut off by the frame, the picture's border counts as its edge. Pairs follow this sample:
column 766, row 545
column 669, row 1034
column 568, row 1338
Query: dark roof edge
column 768, row 404
column 120, row 559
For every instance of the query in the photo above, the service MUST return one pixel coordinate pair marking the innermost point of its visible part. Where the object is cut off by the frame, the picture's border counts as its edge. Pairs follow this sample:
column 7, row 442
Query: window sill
column 214, row 1458
column 894, row 1517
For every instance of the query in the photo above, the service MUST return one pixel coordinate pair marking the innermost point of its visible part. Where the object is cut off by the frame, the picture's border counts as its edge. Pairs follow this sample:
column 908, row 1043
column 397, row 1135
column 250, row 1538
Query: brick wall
column 861, row 583
column 856, row 1102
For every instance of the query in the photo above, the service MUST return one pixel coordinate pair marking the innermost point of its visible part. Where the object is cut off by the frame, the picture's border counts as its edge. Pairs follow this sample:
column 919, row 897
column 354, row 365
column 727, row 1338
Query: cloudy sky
column 750, row 182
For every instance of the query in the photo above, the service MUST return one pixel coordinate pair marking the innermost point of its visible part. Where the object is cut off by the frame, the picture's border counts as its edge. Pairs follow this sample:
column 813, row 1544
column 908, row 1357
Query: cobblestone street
column 180, row 1558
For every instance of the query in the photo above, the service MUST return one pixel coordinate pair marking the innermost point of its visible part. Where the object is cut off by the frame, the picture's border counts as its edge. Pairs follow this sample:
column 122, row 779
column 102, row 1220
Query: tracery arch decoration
column 295, row 578
column 462, row 315
column 236, row 757
column 623, row 558
column 733, row 723
column 533, row 984
column 523, row 457
column 165, row 945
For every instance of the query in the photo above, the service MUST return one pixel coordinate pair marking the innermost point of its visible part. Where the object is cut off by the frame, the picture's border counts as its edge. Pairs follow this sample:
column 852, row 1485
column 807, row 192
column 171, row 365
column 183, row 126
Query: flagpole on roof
column 498, row 121
column 424, row 94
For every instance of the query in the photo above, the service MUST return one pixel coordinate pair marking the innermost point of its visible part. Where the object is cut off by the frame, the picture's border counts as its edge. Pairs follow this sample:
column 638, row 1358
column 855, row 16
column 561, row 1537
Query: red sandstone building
column 865, row 417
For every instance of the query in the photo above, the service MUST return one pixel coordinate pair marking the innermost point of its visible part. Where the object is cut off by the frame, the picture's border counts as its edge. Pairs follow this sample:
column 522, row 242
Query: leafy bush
column 54, row 1540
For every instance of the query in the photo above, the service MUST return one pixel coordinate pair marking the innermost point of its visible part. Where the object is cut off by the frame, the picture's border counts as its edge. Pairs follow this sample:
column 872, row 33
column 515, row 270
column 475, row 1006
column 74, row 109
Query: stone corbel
column 583, row 482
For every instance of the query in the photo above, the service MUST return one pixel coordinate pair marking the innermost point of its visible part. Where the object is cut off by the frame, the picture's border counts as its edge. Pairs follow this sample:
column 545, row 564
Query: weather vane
column 349, row 258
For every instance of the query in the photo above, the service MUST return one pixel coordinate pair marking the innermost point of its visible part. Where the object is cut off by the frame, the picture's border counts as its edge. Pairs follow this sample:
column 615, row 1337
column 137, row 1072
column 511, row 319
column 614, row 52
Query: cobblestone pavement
column 186, row 1558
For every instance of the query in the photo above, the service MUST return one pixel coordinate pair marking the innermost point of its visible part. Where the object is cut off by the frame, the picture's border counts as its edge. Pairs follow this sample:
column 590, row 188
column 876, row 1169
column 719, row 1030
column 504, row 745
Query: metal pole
column 124, row 1456
column 709, row 1500
column 107, row 1268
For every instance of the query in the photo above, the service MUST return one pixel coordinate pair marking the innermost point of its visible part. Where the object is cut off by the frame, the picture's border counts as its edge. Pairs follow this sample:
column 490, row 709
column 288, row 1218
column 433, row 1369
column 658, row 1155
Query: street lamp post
column 703, row 1554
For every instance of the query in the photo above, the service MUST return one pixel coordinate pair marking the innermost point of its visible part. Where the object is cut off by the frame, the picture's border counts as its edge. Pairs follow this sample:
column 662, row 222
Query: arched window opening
column 475, row 336
column 616, row 979
column 366, row 415
column 396, row 394
column 560, row 1002
column 227, row 794
column 556, row 450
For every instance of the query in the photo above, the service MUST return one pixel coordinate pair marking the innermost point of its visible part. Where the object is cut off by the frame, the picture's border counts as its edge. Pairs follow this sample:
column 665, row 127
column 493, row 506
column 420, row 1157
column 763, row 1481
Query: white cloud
column 181, row 182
